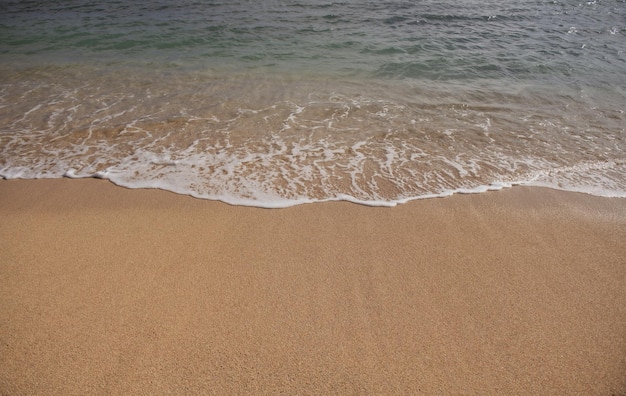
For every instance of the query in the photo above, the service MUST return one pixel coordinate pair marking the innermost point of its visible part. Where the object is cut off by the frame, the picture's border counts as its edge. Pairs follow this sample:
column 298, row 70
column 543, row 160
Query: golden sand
column 105, row 290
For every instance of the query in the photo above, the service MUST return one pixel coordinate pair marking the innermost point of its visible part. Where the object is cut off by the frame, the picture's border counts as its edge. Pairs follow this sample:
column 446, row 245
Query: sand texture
column 105, row 290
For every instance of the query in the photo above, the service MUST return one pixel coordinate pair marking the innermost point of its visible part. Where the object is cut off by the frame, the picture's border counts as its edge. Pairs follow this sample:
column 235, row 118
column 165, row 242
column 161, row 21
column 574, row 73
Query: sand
column 105, row 290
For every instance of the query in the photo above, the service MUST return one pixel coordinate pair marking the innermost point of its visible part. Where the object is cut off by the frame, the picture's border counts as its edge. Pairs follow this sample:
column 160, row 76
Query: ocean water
column 279, row 102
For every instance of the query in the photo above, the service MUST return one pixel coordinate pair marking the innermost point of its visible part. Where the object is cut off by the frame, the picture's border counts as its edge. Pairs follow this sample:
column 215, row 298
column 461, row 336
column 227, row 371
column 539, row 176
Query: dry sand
column 105, row 290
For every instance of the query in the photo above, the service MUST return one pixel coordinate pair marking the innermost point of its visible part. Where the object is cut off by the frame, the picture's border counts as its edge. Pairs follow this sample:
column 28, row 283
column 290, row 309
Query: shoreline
column 112, row 290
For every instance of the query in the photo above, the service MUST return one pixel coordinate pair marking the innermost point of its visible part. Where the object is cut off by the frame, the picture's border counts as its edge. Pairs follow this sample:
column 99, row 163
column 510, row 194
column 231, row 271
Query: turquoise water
column 276, row 103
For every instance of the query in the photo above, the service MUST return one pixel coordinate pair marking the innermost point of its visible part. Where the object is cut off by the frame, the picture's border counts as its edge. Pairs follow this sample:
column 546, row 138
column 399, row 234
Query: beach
column 308, row 197
column 107, row 290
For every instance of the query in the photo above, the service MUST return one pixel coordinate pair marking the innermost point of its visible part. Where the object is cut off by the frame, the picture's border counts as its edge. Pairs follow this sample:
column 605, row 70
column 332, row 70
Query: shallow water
column 287, row 102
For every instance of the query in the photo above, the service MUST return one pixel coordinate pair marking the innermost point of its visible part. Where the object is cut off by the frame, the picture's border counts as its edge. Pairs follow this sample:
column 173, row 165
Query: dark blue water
column 296, row 101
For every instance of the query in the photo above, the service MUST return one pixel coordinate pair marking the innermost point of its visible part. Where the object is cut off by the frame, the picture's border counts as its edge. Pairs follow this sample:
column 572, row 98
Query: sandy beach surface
column 105, row 290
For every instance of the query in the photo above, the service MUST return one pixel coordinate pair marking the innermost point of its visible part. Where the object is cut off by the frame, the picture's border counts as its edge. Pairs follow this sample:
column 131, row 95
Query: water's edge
column 236, row 201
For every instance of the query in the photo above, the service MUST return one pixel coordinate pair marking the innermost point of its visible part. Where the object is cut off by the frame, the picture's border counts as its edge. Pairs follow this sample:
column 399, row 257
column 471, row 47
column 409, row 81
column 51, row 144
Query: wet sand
column 105, row 290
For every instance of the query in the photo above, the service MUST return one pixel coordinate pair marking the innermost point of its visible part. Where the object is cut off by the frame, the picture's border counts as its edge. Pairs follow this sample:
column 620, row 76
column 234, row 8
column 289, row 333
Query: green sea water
column 276, row 103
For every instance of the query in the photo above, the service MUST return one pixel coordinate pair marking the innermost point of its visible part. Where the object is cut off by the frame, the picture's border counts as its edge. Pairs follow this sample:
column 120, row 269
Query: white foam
column 355, row 148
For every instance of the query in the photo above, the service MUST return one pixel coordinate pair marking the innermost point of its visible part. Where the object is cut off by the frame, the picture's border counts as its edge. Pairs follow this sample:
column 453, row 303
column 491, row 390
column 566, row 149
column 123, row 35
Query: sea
column 274, row 103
